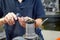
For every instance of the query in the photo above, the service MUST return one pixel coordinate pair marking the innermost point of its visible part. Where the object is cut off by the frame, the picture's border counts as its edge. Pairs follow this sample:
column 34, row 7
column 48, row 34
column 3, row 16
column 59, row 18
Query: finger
column 6, row 19
column 11, row 22
column 14, row 16
column 22, row 22
column 19, row 19
column 22, row 19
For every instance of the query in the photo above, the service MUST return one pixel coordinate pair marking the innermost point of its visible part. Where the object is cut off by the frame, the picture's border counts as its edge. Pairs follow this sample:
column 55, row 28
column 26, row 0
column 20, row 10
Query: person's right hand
column 10, row 18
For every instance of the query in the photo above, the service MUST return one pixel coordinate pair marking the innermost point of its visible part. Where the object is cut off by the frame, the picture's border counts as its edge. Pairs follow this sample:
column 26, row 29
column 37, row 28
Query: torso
column 25, row 9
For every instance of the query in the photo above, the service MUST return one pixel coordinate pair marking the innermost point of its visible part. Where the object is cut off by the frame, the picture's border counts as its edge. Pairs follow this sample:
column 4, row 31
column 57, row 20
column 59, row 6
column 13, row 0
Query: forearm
column 2, row 21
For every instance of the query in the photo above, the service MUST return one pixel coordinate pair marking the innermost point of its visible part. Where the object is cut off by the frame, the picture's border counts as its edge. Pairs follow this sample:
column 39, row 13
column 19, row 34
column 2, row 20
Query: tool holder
column 30, row 30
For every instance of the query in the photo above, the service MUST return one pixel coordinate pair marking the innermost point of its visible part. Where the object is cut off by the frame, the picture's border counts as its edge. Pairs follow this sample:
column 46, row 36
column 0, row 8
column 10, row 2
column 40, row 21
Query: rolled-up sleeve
column 39, row 9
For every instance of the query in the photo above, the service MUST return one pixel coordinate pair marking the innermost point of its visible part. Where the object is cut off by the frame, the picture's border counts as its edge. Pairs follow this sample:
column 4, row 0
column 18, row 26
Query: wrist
column 38, row 22
column 2, row 21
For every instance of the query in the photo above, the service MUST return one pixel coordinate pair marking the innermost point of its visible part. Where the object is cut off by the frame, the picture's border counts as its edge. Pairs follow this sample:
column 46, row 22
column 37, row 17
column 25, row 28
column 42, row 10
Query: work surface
column 48, row 35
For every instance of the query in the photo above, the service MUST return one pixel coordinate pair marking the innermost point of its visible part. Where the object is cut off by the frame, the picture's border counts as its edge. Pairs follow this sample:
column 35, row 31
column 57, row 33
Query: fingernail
column 16, row 18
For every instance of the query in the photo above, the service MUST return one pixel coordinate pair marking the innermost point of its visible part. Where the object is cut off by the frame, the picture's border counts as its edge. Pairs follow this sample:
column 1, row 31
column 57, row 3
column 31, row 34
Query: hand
column 21, row 21
column 10, row 18
column 38, row 22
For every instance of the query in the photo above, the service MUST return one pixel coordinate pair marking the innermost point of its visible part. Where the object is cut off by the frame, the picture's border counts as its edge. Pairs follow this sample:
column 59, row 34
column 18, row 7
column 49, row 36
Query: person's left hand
column 38, row 22
column 22, row 21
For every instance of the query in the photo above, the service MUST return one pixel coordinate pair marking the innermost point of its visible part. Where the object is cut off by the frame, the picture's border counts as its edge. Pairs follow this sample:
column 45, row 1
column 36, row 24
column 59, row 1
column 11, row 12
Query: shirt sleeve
column 39, row 9
column 0, row 3
column 1, row 12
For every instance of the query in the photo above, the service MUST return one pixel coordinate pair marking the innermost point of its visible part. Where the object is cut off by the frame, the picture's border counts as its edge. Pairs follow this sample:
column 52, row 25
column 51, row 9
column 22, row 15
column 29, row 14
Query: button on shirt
column 30, row 8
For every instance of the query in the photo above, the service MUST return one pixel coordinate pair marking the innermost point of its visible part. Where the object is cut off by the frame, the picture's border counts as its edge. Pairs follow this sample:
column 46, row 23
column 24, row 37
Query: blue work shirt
column 30, row 8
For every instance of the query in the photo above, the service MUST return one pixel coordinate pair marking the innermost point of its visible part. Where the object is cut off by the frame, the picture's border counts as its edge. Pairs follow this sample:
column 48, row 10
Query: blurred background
column 52, row 11
column 51, row 28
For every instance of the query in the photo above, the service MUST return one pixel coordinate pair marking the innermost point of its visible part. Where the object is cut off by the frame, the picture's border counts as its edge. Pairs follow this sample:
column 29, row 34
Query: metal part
column 30, row 30
column 44, row 21
column 18, row 38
